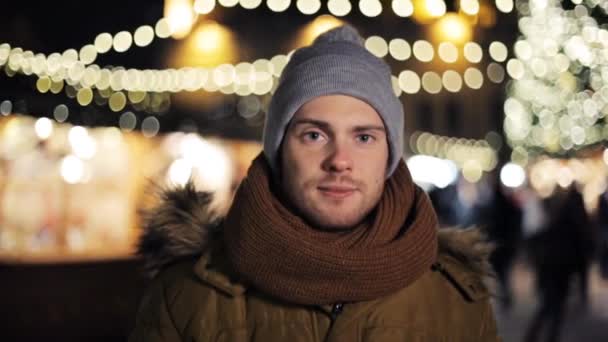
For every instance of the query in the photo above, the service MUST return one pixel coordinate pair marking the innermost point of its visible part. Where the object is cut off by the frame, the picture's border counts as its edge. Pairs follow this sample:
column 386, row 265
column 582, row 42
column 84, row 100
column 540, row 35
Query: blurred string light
column 452, row 27
column 72, row 169
column 75, row 71
column 6, row 107
column 512, row 175
column 193, row 160
column 428, row 170
column 505, row 6
column 469, row 7
column 472, row 156
column 43, row 128
column 425, row 11
column 180, row 16
column 432, row 82
column 547, row 174
column 118, row 87
column 82, row 144
column 558, row 100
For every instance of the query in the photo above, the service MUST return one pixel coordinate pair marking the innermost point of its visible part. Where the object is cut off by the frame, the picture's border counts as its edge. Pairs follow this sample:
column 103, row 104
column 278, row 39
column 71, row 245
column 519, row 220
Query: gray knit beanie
column 336, row 63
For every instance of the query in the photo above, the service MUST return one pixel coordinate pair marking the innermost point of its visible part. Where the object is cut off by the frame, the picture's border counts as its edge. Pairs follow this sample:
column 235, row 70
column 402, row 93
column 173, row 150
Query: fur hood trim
column 183, row 224
column 180, row 226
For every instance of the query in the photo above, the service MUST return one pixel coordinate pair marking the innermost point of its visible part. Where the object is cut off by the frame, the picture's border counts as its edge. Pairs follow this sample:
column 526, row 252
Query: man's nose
column 339, row 159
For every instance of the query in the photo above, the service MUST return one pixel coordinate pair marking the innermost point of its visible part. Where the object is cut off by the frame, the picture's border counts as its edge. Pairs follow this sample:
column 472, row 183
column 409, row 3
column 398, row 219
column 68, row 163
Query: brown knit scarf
column 280, row 254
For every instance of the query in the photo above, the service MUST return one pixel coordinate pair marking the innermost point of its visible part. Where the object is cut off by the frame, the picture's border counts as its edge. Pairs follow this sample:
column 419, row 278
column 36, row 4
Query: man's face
column 334, row 159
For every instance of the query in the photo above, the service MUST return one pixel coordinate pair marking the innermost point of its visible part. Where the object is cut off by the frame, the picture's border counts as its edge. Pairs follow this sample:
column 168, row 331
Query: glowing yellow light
column 436, row 8
column 263, row 66
column 56, row 87
column 473, row 78
column 516, row 69
column 317, row 27
column 179, row 172
column 250, row 4
column 103, row 42
column 136, row 96
column 162, row 28
column 448, row 52
column 88, row 54
column 82, row 144
column 143, row 36
column 180, row 16
column 127, row 121
column 228, row 3
column 43, row 84
column 5, row 50
column 104, row 79
column 308, row 6
column 452, row 27
column 498, row 51
column 473, row 52
column 204, row 6
column 43, row 128
column 470, row 7
column 403, row 8
column 523, row 49
column 278, row 64
column 423, row 50
column 426, row 11
column 150, row 126
column 399, row 49
column 496, row 73
column 209, row 45
column 122, row 41
column 452, row 81
column 244, row 74
column 339, row 8
column 370, row 8
column 84, row 96
column 61, row 113
column 377, row 45
column 68, row 58
column 471, row 171
column 117, row 101
column 116, row 79
column 75, row 72
column 431, row 82
column 504, row 6
column 409, row 82
column 210, row 37
column 72, row 169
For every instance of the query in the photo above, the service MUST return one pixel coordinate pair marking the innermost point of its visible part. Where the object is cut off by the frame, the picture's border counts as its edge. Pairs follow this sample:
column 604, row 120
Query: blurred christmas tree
column 558, row 97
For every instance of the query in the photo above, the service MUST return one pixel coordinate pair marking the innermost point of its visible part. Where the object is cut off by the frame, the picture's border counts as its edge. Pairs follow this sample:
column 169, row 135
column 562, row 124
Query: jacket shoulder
column 178, row 303
column 463, row 261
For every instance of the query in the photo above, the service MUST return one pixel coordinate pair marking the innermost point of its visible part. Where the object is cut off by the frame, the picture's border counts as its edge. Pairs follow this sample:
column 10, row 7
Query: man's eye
column 312, row 135
column 365, row 138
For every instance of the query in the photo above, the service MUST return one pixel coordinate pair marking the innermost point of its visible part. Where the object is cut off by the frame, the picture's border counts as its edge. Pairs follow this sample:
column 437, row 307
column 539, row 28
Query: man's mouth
column 336, row 191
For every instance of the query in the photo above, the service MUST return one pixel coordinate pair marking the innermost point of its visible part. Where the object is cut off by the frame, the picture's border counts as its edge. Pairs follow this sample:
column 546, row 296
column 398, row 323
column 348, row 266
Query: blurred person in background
column 602, row 220
column 503, row 222
column 328, row 238
column 560, row 254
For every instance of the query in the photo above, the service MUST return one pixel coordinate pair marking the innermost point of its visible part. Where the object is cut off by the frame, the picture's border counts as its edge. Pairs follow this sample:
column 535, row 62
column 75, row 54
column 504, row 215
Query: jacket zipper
column 336, row 310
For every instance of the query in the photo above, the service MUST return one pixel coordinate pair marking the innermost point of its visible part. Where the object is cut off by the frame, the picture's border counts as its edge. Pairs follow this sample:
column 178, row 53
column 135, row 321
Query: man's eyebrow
column 324, row 125
column 369, row 128
column 303, row 121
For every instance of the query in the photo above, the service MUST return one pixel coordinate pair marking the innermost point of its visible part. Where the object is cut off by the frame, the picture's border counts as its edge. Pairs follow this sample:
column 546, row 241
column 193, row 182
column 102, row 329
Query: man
column 328, row 238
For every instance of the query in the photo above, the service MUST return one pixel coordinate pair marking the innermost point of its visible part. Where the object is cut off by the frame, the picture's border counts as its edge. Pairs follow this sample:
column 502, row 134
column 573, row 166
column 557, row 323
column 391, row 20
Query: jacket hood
column 183, row 225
